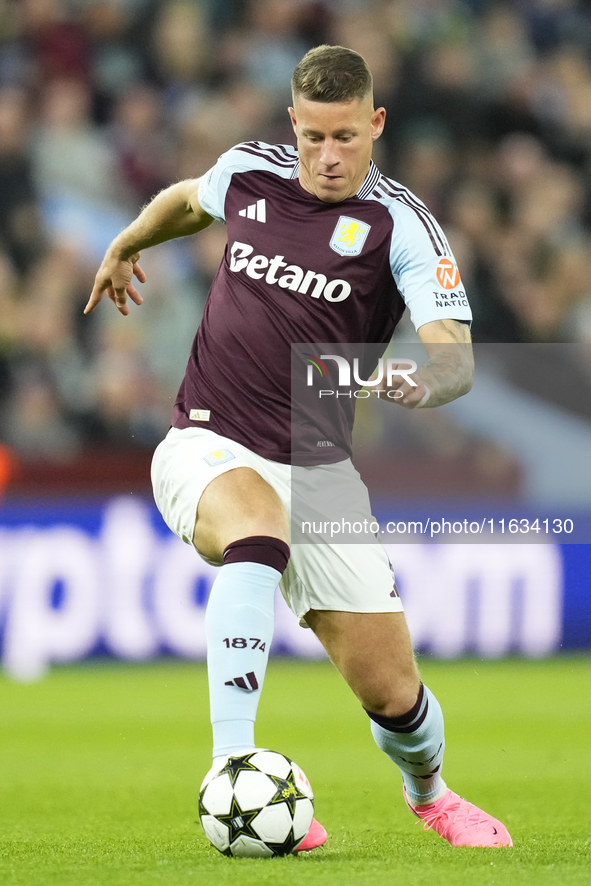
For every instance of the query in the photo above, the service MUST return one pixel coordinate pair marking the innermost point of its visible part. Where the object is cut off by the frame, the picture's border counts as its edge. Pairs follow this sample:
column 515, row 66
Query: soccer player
column 321, row 248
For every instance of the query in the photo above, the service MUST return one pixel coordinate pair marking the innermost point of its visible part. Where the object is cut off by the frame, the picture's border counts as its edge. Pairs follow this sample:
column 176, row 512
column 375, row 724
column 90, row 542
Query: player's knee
column 270, row 522
column 236, row 505
column 393, row 699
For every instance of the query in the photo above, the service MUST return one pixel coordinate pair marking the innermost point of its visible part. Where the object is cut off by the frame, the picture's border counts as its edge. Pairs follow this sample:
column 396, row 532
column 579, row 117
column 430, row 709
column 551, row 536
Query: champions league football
column 257, row 805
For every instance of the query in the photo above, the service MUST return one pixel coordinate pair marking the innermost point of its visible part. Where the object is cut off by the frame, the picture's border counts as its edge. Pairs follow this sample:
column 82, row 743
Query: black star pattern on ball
column 287, row 792
column 239, row 822
column 236, row 765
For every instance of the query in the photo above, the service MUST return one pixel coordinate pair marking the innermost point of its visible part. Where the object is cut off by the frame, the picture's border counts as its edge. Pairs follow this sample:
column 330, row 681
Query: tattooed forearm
column 448, row 374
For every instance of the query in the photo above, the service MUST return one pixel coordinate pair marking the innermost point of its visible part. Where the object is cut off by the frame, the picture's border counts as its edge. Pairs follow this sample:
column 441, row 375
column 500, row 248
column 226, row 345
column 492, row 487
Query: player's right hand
column 115, row 278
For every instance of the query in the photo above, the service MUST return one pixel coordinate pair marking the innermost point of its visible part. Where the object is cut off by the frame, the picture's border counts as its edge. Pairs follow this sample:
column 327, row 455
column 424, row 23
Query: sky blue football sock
column 415, row 742
column 239, row 632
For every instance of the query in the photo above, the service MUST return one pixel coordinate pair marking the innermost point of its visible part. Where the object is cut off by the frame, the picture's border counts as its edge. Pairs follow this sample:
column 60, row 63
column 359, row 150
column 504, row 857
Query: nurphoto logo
column 387, row 371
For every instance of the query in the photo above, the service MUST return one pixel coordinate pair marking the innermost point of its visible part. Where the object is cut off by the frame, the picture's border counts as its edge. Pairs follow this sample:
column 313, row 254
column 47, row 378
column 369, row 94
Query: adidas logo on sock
column 240, row 682
column 257, row 211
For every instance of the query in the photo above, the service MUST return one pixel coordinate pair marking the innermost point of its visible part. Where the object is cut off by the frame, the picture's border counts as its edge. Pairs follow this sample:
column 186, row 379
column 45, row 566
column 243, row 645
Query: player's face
column 335, row 141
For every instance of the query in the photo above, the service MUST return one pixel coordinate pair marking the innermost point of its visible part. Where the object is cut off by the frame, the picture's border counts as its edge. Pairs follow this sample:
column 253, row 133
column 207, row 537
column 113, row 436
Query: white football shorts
column 345, row 577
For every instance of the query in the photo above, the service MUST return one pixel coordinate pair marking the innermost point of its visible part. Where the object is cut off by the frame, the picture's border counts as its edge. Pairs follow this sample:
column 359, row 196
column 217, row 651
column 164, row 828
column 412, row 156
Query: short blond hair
column 332, row 74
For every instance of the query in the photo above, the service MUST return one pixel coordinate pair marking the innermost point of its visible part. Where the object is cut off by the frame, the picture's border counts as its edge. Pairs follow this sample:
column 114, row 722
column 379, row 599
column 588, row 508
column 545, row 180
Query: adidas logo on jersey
column 240, row 682
column 293, row 277
column 257, row 211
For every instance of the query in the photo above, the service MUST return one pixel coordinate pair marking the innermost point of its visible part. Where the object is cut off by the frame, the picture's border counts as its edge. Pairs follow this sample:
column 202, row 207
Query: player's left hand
column 407, row 396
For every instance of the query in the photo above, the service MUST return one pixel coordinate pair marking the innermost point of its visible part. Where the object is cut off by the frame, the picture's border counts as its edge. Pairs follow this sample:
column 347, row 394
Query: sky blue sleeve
column 424, row 267
column 214, row 185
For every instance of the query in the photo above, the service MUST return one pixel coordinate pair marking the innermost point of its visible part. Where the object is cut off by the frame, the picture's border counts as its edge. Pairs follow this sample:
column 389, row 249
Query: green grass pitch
column 100, row 766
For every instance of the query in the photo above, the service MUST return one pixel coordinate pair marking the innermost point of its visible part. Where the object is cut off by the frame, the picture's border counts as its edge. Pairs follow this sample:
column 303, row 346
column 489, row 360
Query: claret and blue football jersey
column 297, row 269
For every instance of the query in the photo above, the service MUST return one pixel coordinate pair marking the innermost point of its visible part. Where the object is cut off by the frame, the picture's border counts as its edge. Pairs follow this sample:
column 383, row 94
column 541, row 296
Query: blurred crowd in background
column 105, row 102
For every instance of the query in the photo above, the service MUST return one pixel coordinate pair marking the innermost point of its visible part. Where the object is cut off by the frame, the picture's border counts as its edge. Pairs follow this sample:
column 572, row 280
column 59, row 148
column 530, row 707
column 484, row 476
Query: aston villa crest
column 349, row 236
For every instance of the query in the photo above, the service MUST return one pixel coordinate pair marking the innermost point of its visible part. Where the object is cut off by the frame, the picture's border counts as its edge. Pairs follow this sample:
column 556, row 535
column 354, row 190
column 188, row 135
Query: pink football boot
column 461, row 823
column 315, row 837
